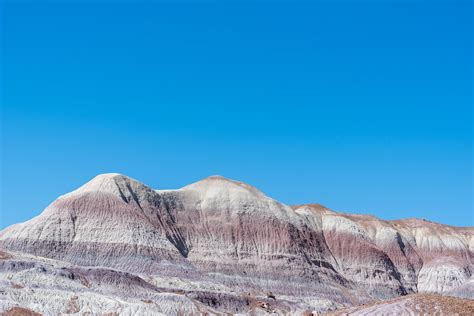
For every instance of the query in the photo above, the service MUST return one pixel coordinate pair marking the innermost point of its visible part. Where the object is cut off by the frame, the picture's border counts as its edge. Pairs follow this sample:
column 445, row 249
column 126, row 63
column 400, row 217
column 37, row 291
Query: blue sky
column 362, row 106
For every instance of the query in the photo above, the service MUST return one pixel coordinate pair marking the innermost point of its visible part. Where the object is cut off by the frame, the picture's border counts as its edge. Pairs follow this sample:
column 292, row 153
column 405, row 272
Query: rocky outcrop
column 415, row 304
column 230, row 236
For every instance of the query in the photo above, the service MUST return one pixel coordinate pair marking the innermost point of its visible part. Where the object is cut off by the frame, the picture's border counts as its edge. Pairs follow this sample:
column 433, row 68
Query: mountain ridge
column 232, row 235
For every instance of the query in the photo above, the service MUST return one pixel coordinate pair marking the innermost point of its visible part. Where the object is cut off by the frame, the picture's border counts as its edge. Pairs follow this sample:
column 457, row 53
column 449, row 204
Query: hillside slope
column 234, row 245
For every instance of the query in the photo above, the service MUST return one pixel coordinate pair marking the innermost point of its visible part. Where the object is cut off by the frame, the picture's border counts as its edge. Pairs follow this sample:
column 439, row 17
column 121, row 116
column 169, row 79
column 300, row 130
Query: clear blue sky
column 362, row 106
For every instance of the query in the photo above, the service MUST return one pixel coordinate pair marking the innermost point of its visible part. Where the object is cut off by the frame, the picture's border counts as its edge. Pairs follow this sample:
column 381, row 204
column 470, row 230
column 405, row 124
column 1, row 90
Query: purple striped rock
column 117, row 246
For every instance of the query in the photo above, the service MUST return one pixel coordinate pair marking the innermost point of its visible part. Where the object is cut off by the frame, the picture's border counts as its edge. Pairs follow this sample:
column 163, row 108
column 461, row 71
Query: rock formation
column 117, row 246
